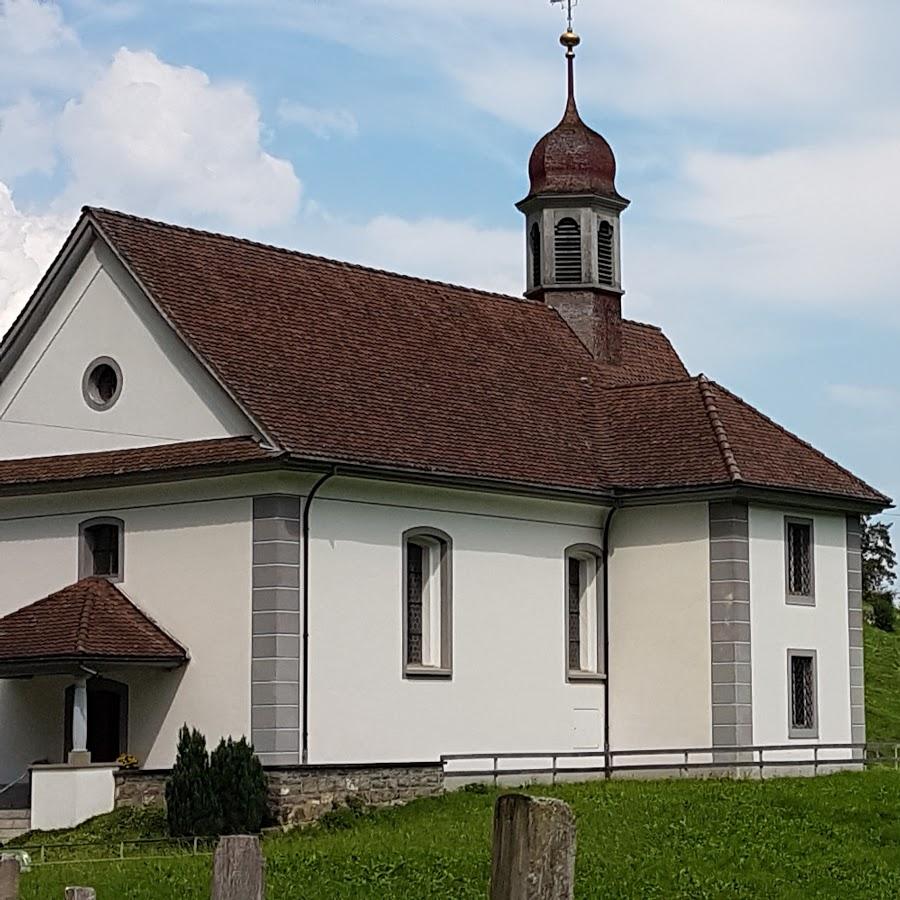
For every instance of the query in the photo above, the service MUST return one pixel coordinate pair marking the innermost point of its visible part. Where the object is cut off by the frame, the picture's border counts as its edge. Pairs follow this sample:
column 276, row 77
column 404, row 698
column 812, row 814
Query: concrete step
column 14, row 822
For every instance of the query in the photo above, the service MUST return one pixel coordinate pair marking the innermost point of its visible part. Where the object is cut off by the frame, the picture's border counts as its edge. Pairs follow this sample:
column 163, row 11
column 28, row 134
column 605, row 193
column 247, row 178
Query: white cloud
column 816, row 225
column 323, row 123
column 165, row 140
column 38, row 49
column 28, row 244
column 26, row 139
column 880, row 399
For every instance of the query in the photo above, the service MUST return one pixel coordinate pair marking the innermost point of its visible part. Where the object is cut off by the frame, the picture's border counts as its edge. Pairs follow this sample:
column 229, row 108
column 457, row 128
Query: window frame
column 419, row 670
column 586, row 553
column 795, row 733
column 799, row 599
column 86, row 556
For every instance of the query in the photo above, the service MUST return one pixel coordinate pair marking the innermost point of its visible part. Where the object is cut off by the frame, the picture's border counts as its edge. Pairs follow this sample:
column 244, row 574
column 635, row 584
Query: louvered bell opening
column 535, row 255
column 605, row 256
column 568, row 252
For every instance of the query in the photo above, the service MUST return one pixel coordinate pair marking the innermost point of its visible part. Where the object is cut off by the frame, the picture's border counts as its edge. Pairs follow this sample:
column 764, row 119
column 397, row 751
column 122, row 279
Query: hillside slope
column 882, row 685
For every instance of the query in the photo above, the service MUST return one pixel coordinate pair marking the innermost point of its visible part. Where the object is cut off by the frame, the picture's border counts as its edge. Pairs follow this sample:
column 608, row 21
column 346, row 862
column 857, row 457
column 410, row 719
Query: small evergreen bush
column 191, row 802
column 884, row 615
column 240, row 786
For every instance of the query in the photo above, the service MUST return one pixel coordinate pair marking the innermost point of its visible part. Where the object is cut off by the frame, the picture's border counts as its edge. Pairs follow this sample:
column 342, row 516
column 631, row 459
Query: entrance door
column 107, row 719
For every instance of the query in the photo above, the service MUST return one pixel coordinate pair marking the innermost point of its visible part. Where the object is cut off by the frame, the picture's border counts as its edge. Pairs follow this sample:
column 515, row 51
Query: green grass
column 787, row 838
column 882, row 656
column 836, row 836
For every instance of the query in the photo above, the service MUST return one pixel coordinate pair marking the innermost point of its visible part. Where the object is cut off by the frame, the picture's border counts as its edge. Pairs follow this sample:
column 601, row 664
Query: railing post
column 9, row 879
column 534, row 849
column 496, row 764
column 816, row 760
column 238, row 869
column 553, row 776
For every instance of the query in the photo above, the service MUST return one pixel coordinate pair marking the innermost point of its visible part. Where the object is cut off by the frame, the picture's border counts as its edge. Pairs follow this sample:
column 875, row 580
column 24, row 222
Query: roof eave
column 68, row 664
column 758, row 493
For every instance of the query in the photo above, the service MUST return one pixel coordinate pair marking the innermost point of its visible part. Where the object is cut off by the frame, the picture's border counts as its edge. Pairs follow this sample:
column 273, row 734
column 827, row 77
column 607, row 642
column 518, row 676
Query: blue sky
column 758, row 140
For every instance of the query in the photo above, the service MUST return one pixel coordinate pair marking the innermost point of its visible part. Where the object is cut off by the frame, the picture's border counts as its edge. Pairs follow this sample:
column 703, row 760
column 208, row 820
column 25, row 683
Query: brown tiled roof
column 338, row 362
column 89, row 620
column 343, row 362
column 191, row 455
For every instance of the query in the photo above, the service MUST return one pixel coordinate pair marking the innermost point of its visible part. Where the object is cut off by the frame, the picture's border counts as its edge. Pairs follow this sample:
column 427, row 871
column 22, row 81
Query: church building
column 369, row 520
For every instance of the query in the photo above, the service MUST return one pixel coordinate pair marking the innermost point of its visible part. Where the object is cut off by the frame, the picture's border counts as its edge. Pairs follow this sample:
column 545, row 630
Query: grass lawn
column 882, row 656
column 836, row 836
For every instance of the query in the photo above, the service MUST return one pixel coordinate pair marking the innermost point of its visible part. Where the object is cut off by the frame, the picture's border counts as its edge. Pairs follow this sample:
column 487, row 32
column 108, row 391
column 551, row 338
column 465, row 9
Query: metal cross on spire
column 570, row 6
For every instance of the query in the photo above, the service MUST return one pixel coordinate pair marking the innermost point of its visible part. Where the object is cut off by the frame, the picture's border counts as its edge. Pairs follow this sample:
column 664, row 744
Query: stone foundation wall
column 304, row 793
column 301, row 794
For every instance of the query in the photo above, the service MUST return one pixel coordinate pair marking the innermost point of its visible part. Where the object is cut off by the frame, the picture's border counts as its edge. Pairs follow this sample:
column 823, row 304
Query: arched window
column 101, row 548
column 427, row 601
column 584, row 612
column 605, row 254
column 567, row 246
column 535, row 255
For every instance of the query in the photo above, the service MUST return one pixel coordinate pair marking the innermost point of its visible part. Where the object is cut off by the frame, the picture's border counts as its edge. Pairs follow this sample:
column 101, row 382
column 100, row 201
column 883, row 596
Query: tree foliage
column 879, row 562
column 191, row 804
column 240, row 785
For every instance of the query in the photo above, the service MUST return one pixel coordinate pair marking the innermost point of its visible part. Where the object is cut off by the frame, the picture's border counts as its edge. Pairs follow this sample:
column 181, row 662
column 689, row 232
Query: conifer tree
column 241, row 786
column 191, row 801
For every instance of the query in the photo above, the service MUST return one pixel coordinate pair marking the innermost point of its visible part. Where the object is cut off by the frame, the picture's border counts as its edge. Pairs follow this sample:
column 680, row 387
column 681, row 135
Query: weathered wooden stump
column 9, row 879
column 534, row 849
column 80, row 893
column 239, row 869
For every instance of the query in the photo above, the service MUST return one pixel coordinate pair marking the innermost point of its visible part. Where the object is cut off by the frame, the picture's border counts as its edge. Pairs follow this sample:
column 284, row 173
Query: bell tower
column 572, row 225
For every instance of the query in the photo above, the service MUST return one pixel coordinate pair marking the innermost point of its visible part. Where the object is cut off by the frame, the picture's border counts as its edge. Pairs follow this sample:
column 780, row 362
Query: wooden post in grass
column 534, row 849
column 239, row 869
column 9, row 879
column 80, row 893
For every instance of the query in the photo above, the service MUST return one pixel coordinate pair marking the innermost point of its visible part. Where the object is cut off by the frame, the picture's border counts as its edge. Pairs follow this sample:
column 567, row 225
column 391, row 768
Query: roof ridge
column 800, row 440
column 643, row 325
column 718, row 427
column 684, row 379
column 91, row 210
column 84, row 618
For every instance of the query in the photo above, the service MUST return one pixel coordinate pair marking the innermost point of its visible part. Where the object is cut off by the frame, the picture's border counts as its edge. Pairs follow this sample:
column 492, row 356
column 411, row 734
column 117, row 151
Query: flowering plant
column 127, row 761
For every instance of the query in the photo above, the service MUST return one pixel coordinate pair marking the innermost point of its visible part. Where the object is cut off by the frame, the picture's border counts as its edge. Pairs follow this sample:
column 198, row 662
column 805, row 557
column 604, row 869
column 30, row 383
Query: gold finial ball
column 570, row 40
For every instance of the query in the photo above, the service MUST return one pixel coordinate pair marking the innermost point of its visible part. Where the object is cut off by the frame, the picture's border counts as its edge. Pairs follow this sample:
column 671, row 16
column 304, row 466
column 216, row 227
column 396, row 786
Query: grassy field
column 882, row 685
column 836, row 836
column 788, row 838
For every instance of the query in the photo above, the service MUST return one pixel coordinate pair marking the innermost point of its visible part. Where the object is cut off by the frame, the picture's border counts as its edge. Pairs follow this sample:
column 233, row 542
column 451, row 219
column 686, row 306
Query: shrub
column 240, row 786
column 191, row 802
column 883, row 613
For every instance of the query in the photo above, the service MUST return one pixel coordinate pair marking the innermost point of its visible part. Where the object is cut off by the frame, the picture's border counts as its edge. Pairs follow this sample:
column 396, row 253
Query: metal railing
column 138, row 849
column 18, row 780
column 683, row 760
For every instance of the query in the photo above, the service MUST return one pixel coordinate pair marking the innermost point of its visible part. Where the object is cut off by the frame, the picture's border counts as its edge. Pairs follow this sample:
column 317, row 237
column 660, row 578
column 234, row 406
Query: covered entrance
column 86, row 638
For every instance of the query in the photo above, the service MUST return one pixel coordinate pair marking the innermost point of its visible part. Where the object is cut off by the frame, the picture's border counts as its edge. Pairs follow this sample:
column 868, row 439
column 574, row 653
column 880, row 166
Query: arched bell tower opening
column 572, row 214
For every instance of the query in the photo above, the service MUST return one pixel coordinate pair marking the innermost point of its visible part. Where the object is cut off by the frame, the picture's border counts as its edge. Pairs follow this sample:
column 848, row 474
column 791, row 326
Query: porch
column 69, row 664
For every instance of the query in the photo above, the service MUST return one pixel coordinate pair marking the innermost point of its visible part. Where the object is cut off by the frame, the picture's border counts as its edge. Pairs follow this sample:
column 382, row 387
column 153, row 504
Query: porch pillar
column 79, row 756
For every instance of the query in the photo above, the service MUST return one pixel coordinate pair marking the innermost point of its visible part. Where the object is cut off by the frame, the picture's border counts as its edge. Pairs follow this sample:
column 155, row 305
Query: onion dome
column 573, row 159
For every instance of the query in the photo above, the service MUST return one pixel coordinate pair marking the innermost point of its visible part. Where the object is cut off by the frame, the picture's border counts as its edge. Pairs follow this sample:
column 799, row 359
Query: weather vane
column 570, row 6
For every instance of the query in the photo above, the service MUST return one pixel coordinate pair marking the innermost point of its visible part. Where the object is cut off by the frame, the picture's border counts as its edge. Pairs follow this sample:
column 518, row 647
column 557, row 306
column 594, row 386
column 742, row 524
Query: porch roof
column 90, row 623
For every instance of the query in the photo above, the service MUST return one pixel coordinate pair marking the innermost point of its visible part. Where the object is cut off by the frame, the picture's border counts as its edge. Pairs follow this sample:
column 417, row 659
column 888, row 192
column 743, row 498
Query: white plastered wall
column 778, row 626
column 166, row 396
column 508, row 691
column 187, row 565
column 659, row 628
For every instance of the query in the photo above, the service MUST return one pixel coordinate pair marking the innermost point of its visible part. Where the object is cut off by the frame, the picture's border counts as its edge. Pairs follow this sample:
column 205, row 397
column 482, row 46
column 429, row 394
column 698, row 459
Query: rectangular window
column 803, row 694
column 799, row 561
column 100, row 553
column 427, row 625
column 584, row 615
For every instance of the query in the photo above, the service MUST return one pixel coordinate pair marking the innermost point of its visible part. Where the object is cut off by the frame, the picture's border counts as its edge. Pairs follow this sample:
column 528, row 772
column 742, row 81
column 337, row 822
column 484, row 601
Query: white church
column 370, row 520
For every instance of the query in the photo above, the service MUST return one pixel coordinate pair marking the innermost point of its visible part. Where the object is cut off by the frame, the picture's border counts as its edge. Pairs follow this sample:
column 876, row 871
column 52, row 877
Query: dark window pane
column 605, row 253
column 575, row 590
column 802, row 692
column 103, row 544
column 799, row 559
column 536, row 255
column 414, row 603
column 568, row 252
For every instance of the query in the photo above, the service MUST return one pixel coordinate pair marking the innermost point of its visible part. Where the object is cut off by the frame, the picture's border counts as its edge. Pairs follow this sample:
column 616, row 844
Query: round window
column 102, row 383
